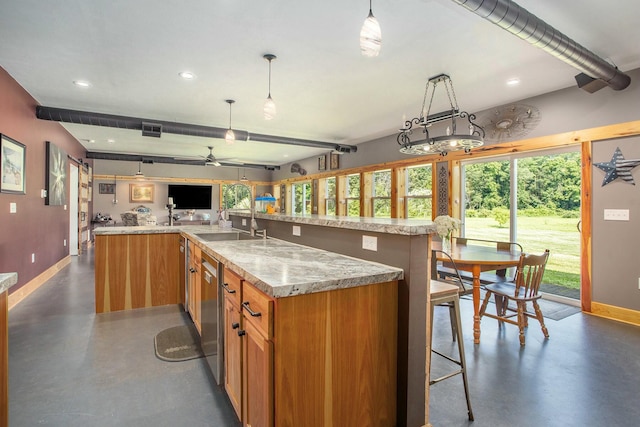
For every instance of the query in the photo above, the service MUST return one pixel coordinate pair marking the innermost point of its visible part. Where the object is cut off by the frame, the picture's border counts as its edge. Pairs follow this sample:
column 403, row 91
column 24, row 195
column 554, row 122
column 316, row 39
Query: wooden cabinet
column 136, row 271
column 233, row 355
column 327, row 358
column 257, row 358
column 4, row 359
column 194, row 289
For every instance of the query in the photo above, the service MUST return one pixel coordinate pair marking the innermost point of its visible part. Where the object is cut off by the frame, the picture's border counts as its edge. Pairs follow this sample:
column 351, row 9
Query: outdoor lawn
column 536, row 234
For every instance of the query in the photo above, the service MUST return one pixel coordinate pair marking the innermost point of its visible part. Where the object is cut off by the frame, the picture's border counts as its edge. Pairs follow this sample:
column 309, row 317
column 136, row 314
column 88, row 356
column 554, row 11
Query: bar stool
column 445, row 293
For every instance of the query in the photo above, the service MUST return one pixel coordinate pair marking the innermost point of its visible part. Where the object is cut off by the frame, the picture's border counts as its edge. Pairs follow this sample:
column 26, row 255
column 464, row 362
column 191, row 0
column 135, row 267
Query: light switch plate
column 244, row 221
column 296, row 230
column 13, row 208
column 370, row 243
column 616, row 214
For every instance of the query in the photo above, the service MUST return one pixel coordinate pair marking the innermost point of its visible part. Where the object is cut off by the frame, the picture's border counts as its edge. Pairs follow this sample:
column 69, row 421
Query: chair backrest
column 507, row 246
column 455, row 278
column 461, row 241
column 529, row 273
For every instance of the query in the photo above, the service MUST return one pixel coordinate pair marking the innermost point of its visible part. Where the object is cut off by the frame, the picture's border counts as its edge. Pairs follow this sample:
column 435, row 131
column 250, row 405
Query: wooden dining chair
column 524, row 289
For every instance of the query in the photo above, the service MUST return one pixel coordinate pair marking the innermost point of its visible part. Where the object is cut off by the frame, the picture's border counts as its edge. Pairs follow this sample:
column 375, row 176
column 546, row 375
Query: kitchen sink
column 216, row 237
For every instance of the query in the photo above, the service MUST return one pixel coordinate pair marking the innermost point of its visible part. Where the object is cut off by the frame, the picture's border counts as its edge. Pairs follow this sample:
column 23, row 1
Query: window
column 381, row 197
column 301, row 198
column 418, row 201
column 330, row 196
column 236, row 196
column 353, row 195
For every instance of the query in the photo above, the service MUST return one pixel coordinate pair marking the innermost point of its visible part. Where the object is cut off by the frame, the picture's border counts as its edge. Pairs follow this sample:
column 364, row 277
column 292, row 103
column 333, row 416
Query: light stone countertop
column 159, row 229
column 276, row 267
column 379, row 225
column 282, row 269
column 7, row 280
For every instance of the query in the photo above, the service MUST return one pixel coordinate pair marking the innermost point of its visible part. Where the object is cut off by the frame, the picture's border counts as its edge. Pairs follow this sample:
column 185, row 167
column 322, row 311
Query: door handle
column 245, row 305
column 228, row 289
column 579, row 226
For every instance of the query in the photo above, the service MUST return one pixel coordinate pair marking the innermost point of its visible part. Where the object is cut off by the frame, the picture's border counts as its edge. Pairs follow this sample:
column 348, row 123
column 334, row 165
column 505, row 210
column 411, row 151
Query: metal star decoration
column 618, row 167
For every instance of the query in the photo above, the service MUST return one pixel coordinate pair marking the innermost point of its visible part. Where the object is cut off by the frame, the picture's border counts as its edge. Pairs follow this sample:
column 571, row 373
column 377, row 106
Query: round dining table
column 476, row 259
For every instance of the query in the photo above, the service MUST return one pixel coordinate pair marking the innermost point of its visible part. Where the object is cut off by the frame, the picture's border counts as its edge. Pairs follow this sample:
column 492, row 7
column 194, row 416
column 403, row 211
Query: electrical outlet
column 33, row 258
column 296, row 230
column 65, row 242
column 370, row 243
column 65, row 207
column 616, row 214
column 43, row 193
column 638, row 283
column 244, row 221
column 13, row 208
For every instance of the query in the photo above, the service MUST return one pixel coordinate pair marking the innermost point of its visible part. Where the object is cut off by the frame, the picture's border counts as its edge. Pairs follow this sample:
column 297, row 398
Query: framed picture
column 57, row 166
column 13, row 162
column 139, row 193
column 322, row 163
column 104, row 188
column 334, row 162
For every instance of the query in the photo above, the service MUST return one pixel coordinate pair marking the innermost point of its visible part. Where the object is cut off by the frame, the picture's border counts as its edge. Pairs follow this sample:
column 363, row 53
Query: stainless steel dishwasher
column 211, row 317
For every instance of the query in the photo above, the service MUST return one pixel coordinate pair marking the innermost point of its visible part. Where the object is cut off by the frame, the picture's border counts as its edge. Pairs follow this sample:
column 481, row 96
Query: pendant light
column 139, row 175
column 230, row 136
column 370, row 35
column 244, row 177
column 269, row 105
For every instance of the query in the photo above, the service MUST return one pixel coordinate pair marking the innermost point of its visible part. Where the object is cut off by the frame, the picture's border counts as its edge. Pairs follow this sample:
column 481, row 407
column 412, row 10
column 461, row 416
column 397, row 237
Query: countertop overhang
column 377, row 225
column 7, row 280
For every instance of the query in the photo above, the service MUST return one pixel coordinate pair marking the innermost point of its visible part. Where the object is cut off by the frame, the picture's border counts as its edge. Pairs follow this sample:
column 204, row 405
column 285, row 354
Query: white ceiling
column 324, row 89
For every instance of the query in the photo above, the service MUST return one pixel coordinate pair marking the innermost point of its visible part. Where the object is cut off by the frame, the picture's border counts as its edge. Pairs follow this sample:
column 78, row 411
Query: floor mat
column 178, row 343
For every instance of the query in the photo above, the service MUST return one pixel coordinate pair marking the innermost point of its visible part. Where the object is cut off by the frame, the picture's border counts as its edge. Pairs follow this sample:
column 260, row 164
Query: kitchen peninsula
column 7, row 280
column 402, row 243
column 323, row 343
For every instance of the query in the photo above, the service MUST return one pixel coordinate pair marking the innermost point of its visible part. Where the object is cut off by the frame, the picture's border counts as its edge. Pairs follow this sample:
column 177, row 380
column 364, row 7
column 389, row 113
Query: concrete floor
column 70, row 367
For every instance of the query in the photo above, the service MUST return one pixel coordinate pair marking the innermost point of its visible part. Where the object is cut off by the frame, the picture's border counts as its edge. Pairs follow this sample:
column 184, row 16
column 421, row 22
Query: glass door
column 532, row 199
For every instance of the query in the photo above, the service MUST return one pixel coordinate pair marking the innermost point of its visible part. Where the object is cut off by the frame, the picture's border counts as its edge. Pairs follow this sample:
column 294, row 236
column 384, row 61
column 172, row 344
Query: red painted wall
column 35, row 228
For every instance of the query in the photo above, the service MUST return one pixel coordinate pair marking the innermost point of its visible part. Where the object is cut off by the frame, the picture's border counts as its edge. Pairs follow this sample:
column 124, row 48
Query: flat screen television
column 191, row 196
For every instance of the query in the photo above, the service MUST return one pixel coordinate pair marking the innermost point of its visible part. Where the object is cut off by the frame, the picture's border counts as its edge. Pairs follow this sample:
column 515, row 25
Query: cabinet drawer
column 231, row 287
column 258, row 309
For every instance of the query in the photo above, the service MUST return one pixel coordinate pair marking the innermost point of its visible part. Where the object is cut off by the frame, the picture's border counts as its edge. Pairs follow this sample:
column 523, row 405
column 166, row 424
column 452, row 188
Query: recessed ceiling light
column 285, row 155
column 92, row 141
column 187, row 75
column 513, row 82
column 81, row 83
column 111, row 141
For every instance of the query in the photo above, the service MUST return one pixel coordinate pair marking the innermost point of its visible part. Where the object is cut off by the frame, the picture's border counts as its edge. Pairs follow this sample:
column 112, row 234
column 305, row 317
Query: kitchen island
column 7, row 280
column 401, row 243
column 310, row 335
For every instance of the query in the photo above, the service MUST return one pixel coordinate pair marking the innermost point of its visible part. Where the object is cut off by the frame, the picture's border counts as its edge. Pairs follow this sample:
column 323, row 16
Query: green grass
column 536, row 234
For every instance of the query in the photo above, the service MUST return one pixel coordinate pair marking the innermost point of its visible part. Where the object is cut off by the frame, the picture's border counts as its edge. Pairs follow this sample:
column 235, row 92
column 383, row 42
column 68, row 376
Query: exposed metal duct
column 159, row 159
column 520, row 22
column 134, row 123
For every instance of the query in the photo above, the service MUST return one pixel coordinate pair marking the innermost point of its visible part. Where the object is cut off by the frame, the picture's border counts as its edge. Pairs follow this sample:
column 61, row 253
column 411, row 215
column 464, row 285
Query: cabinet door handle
column 235, row 325
column 228, row 289
column 192, row 270
column 241, row 333
column 245, row 305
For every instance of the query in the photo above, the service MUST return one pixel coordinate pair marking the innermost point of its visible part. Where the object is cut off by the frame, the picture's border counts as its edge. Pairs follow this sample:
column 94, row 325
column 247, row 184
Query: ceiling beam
column 135, row 123
column 159, row 159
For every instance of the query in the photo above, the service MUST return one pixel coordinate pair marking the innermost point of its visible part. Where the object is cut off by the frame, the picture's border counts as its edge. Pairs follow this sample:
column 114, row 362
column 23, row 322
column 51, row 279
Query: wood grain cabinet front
column 136, row 271
column 194, row 289
column 326, row 358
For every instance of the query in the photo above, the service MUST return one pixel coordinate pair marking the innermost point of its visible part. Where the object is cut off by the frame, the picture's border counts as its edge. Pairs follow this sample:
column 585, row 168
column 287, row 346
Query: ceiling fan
column 209, row 160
